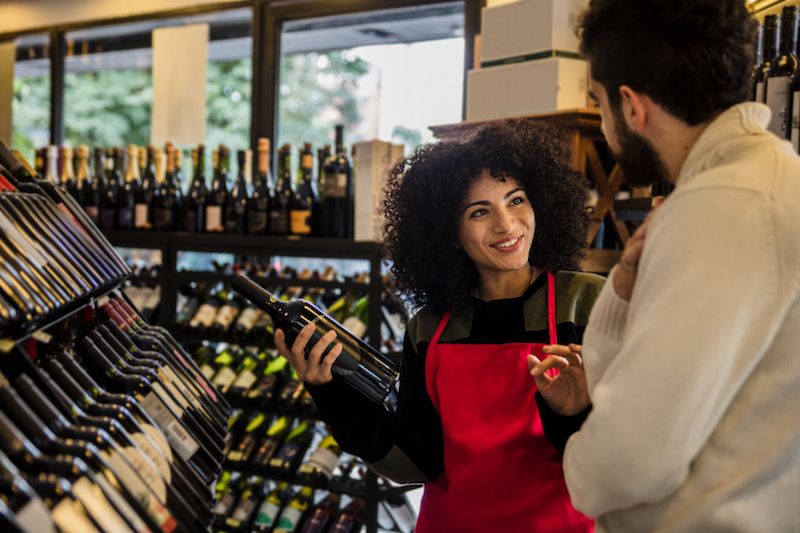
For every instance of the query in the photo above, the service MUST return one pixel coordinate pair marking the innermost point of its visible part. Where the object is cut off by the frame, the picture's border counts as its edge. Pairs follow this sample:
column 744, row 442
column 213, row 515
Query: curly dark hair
column 692, row 57
column 425, row 193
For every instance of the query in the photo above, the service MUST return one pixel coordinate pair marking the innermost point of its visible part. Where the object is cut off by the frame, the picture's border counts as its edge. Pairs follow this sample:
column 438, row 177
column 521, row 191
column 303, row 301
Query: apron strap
column 551, row 307
column 439, row 330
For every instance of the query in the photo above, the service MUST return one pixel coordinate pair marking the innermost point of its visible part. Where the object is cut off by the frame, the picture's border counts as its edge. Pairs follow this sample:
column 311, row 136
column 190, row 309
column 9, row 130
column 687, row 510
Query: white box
column 528, row 88
column 372, row 161
column 522, row 29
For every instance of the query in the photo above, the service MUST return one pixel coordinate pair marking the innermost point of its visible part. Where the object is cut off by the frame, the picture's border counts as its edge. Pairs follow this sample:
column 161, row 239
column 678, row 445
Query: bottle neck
column 788, row 42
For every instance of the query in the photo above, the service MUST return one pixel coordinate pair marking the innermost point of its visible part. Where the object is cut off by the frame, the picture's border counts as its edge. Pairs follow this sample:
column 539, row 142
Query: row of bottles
column 114, row 428
column 255, row 377
column 776, row 74
column 141, row 189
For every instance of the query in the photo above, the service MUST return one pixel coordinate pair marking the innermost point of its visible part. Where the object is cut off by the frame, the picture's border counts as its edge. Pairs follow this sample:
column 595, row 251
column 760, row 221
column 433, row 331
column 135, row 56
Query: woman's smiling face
column 497, row 225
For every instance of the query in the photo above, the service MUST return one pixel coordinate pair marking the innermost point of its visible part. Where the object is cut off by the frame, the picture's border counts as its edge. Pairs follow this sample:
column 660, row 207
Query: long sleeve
column 370, row 432
column 706, row 306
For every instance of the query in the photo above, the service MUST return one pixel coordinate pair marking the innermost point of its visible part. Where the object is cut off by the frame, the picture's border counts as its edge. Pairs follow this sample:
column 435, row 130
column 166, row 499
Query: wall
column 23, row 15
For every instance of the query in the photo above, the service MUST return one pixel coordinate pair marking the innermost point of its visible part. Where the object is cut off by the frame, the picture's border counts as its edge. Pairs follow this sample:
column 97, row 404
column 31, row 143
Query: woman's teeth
column 508, row 244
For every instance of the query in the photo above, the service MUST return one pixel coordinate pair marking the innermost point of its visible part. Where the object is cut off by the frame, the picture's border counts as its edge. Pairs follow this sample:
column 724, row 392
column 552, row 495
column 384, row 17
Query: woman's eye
column 517, row 200
column 478, row 213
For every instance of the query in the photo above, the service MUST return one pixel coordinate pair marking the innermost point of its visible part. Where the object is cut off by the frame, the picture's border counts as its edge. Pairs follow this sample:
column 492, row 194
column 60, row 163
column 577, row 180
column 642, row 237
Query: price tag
column 42, row 336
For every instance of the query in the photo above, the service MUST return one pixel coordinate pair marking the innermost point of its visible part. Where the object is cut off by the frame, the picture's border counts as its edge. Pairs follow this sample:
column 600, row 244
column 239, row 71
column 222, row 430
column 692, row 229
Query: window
column 384, row 74
column 30, row 110
column 108, row 82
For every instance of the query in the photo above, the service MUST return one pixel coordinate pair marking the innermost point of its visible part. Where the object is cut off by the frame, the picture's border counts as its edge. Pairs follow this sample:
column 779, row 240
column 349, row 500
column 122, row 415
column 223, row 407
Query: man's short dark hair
column 692, row 57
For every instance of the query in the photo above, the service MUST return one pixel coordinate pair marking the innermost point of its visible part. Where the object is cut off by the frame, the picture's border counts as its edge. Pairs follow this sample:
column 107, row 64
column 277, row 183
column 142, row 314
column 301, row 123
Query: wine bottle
column 320, row 465
column 83, row 177
column 226, row 489
column 240, row 454
column 359, row 365
column 52, row 165
column 68, row 172
column 218, row 193
column 292, row 513
column 323, row 154
column 280, row 204
column 145, row 192
column 167, row 195
column 236, row 214
column 110, row 200
column 92, row 185
column 350, row 519
column 278, row 430
column 269, row 381
column 323, row 515
column 336, row 206
column 27, row 510
column 259, row 204
column 304, row 200
column 247, row 504
column 770, row 50
column 783, row 74
column 270, row 509
column 287, row 459
column 129, row 188
column 194, row 217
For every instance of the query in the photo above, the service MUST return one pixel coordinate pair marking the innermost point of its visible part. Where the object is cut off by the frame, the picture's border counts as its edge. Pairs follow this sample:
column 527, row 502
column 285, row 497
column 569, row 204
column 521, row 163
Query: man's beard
column 640, row 163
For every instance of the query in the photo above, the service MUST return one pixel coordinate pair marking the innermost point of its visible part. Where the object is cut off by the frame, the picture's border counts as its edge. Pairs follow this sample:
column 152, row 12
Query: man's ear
column 633, row 108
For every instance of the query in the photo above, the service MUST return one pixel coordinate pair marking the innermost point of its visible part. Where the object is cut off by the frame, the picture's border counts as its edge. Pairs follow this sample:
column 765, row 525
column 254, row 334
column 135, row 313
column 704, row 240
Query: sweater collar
column 748, row 118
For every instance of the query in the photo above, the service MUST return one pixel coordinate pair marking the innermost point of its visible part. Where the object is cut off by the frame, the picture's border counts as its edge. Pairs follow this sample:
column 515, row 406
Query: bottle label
column 226, row 316
column 223, row 506
column 125, row 217
column 158, row 438
column 301, row 222
column 29, row 250
column 97, row 505
column 324, row 460
column 279, row 223
column 107, row 218
column 355, row 326
column 147, row 470
column 162, row 218
column 266, row 514
column 34, row 516
column 214, row 218
column 170, row 387
column 224, row 378
column 204, row 317
column 175, row 380
column 778, row 97
column 70, row 518
column 122, row 505
column 290, row 518
column 243, row 511
column 245, row 380
column 336, row 185
column 760, row 92
column 286, row 455
column 265, row 387
column 155, row 456
column 190, row 221
column 177, row 436
column 207, row 371
column 257, row 222
column 93, row 212
column 248, row 318
column 795, row 136
column 140, row 216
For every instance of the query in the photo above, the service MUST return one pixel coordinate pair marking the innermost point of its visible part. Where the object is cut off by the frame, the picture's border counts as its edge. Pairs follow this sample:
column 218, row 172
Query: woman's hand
column 566, row 393
column 311, row 371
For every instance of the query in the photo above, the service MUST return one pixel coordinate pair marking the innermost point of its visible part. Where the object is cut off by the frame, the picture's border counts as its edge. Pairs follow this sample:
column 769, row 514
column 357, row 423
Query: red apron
column 500, row 472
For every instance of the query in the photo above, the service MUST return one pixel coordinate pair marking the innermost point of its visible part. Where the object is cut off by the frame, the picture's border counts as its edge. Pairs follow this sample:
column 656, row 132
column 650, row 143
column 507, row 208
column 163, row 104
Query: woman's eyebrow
column 487, row 202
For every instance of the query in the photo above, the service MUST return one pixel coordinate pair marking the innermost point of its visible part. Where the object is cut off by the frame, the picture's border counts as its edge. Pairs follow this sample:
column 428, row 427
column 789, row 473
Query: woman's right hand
column 311, row 371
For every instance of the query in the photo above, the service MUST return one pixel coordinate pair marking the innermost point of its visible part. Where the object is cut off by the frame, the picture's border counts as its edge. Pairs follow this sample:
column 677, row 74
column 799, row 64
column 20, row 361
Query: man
column 692, row 352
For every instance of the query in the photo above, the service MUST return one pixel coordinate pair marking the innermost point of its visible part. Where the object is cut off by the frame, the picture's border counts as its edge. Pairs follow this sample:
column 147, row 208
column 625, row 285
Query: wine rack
column 372, row 489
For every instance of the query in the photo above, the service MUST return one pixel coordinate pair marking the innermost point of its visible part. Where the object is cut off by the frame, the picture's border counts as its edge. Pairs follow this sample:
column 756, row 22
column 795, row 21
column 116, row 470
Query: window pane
column 108, row 82
column 384, row 74
column 31, row 106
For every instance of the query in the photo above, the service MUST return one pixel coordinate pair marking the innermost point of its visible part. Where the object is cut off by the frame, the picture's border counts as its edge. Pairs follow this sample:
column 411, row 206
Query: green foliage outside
column 30, row 113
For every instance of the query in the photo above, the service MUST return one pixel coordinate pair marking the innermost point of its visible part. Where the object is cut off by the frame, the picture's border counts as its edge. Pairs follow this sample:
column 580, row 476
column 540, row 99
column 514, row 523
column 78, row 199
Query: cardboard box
column 528, row 88
column 524, row 30
column 372, row 161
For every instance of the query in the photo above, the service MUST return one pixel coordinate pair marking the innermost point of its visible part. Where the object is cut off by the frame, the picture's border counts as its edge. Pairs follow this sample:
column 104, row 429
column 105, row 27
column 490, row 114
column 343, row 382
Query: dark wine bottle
column 167, row 197
column 144, row 215
column 236, row 211
column 218, row 193
column 337, row 205
column 323, row 515
column 109, row 202
column 67, row 179
column 258, row 207
column 359, row 365
column 783, row 75
column 194, row 217
column 281, row 201
column 770, row 50
column 129, row 188
column 304, row 200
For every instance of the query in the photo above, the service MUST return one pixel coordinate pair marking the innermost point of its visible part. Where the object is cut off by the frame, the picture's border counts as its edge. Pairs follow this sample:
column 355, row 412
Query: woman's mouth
column 508, row 245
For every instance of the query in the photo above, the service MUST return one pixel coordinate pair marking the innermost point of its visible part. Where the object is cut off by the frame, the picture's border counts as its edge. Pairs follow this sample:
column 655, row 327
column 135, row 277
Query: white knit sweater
column 696, row 382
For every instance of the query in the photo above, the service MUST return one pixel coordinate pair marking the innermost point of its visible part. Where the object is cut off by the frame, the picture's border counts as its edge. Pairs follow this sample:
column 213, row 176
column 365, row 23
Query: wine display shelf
column 250, row 246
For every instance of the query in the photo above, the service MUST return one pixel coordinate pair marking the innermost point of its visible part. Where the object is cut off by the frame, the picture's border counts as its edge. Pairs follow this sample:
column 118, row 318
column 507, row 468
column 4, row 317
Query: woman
column 481, row 232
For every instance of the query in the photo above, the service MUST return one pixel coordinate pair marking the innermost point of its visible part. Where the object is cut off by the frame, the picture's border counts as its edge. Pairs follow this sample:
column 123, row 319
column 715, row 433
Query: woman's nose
column 502, row 221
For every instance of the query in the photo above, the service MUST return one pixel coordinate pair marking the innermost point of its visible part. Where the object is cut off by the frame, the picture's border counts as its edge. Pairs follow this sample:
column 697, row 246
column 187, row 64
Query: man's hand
column 567, row 392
